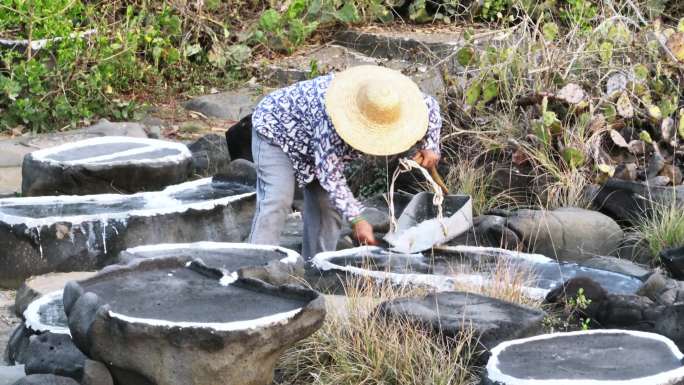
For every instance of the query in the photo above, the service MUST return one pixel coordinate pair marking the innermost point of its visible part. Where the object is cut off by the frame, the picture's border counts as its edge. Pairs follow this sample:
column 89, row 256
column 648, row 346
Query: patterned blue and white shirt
column 294, row 119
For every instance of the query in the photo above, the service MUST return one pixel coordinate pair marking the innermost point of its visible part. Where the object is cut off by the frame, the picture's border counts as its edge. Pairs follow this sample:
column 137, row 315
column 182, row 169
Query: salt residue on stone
column 32, row 314
column 152, row 206
column 279, row 318
column 291, row 256
column 495, row 375
column 149, row 145
column 437, row 282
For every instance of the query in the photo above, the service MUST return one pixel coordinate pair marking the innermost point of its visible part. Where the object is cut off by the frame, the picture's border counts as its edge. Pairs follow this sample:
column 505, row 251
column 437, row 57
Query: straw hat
column 376, row 110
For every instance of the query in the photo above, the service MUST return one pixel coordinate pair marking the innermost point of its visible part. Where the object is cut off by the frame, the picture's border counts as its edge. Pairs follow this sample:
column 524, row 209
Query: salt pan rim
column 534, row 258
column 494, row 374
column 151, row 198
column 151, row 145
column 291, row 255
column 278, row 318
column 437, row 282
column 32, row 317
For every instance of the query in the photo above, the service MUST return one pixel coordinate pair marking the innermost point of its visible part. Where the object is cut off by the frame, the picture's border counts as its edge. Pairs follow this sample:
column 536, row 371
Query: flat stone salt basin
column 457, row 266
column 80, row 233
column 102, row 165
column 596, row 357
column 272, row 264
column 177, row 323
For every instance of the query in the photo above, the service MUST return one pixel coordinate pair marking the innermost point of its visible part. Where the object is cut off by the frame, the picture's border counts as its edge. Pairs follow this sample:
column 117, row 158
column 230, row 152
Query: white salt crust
column 291, row 256
column 437, row 282
column 32, row 315
column 183, row 153
column 156, row 203
column 258, row 323
column 665, row 378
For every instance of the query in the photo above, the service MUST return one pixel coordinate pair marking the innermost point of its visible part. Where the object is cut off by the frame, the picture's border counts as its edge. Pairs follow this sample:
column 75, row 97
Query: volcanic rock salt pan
column 153, row 313
column 72, row 233
column 595, row 357
column 105, row 165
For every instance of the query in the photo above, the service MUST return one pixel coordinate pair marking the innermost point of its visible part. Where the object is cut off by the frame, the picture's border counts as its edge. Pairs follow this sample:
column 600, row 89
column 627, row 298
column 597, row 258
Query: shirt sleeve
column 431, row 139
column 330, row 172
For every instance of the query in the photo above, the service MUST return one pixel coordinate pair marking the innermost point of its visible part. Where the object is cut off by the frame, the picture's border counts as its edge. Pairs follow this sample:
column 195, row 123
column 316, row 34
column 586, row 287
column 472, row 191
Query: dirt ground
column 7, row 319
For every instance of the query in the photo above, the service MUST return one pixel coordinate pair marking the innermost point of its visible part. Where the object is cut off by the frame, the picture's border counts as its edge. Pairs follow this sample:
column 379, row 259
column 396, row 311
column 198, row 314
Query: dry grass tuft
column 356, row 346
column 507, row 282
column 662, row 228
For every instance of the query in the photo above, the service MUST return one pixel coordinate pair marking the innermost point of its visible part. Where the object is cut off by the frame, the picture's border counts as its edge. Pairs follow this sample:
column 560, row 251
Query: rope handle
column 406, row 165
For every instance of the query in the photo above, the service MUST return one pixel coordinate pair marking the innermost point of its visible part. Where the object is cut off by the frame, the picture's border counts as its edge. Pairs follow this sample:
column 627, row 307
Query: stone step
column 291, row 69
column 80, row 233
column 586, row 357
column 114, row 164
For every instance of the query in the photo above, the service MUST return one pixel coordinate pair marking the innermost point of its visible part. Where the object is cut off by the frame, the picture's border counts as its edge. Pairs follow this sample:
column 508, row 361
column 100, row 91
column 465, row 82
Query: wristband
column 357, row 219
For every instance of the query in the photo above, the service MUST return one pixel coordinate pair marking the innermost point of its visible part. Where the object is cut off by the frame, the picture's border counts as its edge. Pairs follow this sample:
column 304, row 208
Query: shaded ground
column 7, row 318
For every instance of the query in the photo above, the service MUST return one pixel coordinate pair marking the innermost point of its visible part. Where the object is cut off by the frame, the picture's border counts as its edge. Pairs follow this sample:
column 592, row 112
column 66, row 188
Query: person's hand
column 363, row 232
column 427, row 158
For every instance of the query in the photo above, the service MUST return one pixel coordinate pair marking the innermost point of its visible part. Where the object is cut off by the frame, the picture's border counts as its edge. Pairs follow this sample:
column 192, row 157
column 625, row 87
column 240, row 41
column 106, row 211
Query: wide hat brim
column 368, row 136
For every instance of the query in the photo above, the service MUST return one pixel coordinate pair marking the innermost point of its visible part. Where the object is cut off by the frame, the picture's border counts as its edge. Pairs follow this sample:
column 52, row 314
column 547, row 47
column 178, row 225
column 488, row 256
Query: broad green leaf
column 296, row 9
column 541, row 132
column 550, row 31
column 172, row 55
column 269, row 20
column 655, row 113
column 473, row 93
column 490, row 90
column 606, row 52
column 573, row 157
column 465, row 56
column 641, row 72
column 348, row 14
column 646, row 137
column 624, row 106
column 418, row 13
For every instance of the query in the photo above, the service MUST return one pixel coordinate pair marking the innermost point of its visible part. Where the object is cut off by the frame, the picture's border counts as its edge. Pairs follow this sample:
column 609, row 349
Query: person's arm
column 428, row 153
column 329, row 170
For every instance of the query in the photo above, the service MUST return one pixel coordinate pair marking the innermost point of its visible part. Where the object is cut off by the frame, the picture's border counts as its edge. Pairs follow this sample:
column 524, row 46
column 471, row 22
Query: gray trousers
column 275, row 193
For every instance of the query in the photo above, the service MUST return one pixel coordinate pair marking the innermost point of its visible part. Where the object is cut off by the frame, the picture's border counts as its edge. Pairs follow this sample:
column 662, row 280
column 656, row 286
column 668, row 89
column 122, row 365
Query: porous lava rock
column 50, row 353
column 628, row 201
column 209, row 154
column 587, row 357
column 492, row 321
column 39, row 235
column 42, row 316
column 658, row 314
column 96, row 373
column 171, row 322
column 105, row 165
column 273, row 264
